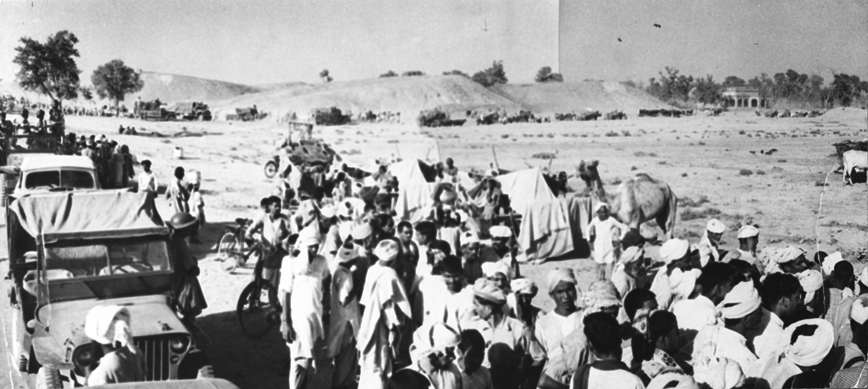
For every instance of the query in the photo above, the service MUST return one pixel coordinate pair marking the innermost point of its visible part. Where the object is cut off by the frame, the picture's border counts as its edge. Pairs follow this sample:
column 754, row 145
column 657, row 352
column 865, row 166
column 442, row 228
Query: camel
column 638, row 200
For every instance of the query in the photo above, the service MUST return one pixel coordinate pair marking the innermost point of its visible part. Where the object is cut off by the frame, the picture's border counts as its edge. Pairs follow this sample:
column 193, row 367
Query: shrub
column 639, row 154
column 701, row 143
column 612, row 134
column 694, row 214
column 689, row 202
column 745, row 172
column 393, row 141
column 741, row 132
column 652, row 154
column 504, row 136
column 760, row 173
column 782, row 161
column 625, row 133
column 544, row 156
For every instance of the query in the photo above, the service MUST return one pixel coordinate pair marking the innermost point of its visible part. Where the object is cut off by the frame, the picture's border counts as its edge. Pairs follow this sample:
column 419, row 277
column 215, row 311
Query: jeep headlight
column 85, row 355
column 179, row 344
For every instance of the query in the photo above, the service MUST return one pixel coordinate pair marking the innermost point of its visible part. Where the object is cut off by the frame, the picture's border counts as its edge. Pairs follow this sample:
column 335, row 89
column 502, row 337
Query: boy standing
column 603, row 233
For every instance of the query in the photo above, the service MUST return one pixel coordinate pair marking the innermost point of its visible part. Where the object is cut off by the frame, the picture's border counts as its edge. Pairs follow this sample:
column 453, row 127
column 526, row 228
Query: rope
column 817, row 233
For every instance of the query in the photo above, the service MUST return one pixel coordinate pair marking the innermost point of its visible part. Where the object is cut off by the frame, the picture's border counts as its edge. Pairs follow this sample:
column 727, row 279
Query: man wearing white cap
column 604, row 233
column 676, row 280
column 710, row 242
column 303, row 278
column 740, row 311
column 790, row 260
column 470, row 256
column 812, row 282
column 500, row 237
column 386, row 312
column 109, row 325
column 748, row 237
column 344, row 318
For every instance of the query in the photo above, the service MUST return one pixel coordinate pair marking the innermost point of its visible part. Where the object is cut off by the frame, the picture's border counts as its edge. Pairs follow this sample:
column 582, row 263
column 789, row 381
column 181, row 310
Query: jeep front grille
column 157, row 355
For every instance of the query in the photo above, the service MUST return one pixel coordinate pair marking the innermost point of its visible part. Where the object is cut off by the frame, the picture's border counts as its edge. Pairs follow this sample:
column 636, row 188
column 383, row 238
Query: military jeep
column 72, row 251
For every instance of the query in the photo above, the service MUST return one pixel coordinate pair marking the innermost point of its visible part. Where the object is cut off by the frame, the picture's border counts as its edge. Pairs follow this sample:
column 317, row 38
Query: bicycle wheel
column 258, row 309
column 228, row 252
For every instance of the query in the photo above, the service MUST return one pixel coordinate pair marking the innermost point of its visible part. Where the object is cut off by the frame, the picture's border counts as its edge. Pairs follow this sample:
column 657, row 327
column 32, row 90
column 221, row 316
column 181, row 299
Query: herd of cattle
column 789, row 114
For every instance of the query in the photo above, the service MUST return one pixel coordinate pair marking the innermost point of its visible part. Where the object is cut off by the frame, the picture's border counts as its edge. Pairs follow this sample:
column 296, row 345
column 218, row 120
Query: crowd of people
column 441, row 303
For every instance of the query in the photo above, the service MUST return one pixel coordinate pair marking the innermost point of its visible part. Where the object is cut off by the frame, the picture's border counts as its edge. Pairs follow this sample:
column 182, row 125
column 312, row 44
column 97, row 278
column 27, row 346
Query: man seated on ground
column 748, row 238
column 740, row 312
column 709, row 245
column 700, row 310
column 781, row 298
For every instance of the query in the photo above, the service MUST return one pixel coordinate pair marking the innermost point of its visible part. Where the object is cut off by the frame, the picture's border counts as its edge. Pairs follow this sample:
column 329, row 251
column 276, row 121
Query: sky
column 260, row 42
column 716, row 37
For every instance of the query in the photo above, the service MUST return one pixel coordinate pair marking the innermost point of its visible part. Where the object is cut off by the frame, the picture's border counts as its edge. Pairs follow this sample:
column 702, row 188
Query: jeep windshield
column 107, row 269
column 49, row 179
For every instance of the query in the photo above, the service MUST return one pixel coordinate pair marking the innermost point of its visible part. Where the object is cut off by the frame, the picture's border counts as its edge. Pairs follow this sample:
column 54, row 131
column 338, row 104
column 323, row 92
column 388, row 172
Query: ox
column 854, row 159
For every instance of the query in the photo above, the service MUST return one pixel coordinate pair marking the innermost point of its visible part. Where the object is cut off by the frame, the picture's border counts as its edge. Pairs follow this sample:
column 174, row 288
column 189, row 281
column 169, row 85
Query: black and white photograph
column 446, row 194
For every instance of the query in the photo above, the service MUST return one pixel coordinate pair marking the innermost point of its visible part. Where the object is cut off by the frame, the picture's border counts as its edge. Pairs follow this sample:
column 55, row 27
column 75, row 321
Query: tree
column 114, row 80
column 491, row 76
column 86, row 92
column 389, row 74
column 456, row 73
column 846, row 88
column 545, row 75
column 706, row 90
column 412, row 73
column 49, row 68
column 733, row 81
column 324, row 75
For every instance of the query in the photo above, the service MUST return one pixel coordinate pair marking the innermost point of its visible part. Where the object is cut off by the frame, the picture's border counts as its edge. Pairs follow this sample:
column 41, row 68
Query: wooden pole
column 439, row 156
column 494, row 154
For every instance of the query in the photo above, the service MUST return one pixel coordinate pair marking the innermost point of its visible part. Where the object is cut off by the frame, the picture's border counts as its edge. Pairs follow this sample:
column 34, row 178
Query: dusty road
column 717, row 166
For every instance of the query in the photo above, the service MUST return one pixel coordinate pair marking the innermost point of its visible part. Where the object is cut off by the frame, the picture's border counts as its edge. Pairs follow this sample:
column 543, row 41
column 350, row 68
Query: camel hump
column 643, row 177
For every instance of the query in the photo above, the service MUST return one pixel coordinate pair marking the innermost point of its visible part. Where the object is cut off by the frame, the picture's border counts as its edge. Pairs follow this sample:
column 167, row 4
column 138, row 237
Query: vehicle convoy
column 66, row 259
column 16, row 147
column 192, row 111
column 152, row 110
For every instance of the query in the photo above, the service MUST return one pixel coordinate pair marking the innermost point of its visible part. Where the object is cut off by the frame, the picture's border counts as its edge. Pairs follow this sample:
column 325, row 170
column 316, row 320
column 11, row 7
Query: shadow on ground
column 250, row 363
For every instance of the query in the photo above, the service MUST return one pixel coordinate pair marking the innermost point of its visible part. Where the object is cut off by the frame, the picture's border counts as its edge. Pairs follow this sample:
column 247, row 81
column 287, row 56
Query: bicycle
column 258, row 308
column 234, row 247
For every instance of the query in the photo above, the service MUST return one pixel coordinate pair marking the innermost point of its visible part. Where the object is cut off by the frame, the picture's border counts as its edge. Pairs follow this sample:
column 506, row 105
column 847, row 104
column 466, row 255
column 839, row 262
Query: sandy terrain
column 698, row 156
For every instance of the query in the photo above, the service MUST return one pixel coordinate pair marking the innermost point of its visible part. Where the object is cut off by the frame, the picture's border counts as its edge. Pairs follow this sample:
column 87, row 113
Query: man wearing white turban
column 433, row 354
column 719, row 373
column 811, row 282
column 386, row 312
column 559, row 332
column 676, row 280
column 303, row 278
column 709, row 244
column 712, row 285
column 741, row 312
column 627, row 269
column 109, row 325
column 604, row 235
column 343, row 318
column 808, row 343
column 790, row 260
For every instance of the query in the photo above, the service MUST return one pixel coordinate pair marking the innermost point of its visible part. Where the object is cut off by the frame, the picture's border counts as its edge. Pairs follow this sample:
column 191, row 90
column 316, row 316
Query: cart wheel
column 270, row 169
column 228, row 252
column 258, row 309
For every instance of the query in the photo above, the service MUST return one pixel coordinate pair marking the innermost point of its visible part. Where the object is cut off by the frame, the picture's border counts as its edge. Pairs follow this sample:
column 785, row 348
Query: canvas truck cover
column 89, row 215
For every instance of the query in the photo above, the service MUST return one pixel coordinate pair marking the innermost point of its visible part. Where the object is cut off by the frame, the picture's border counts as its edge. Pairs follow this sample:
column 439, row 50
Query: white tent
column 545, row 229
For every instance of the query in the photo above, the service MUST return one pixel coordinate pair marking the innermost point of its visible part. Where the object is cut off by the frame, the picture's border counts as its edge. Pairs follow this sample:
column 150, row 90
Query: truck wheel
column 48, row 378
column 22, row 364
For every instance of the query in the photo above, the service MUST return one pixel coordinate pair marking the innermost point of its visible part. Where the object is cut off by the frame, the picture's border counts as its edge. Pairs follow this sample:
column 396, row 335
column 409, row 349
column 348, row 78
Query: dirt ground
column 716, row 162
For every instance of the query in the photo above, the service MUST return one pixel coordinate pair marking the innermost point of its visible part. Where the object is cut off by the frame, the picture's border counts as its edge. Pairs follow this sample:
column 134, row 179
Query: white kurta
column 385, row 302
column 605, row 231
column 343, row 317
column 303, row 279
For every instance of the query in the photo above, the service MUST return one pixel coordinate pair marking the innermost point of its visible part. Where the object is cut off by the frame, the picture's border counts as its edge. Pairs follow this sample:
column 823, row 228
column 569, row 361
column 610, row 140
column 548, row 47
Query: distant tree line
column 791, row 87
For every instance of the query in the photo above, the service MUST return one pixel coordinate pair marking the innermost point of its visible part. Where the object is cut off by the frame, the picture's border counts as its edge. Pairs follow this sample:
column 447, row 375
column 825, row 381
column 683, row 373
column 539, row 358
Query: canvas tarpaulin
column 96, row 214
column 545, row 230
